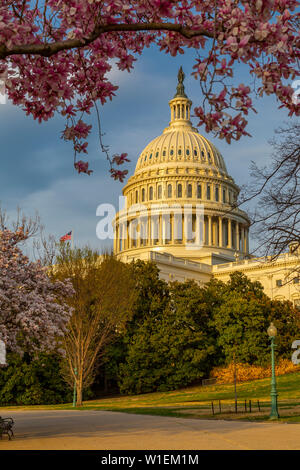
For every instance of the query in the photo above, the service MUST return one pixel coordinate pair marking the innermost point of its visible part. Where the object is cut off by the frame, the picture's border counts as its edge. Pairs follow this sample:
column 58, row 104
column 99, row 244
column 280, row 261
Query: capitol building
column 180, row 212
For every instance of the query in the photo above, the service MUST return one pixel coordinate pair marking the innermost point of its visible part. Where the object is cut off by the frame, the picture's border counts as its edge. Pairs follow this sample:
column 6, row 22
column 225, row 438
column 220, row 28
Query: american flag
column 68, row 236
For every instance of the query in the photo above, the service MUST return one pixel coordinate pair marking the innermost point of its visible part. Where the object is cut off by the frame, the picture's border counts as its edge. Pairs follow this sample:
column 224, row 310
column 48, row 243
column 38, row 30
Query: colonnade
column 180, row 109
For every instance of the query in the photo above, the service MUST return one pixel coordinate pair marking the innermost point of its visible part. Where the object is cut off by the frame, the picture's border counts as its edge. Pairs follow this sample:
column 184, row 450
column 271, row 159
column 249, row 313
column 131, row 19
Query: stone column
column 215, row 231
column 160, row 229
column 247, row 241
column 184, row 221
column 220, row 231
column 237, row 236
column 209, row 230
column 163, row 229
column 149, row 228
column 145, row 230
column 242, row 239
column 198, row 228
column 125, row 236
column 229, row 234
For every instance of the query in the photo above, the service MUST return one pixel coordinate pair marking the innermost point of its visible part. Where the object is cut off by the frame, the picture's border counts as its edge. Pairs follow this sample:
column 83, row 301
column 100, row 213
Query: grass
column 195, row 402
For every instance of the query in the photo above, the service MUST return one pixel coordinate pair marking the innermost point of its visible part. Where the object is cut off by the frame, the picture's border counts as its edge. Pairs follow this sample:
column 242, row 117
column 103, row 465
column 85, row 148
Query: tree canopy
column 55, row 56
column 170, row 349
column 101, row 304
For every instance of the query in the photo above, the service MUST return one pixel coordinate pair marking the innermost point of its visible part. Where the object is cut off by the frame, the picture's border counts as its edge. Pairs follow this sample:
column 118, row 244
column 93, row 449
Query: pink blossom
column 82, row 167
column 261, row 35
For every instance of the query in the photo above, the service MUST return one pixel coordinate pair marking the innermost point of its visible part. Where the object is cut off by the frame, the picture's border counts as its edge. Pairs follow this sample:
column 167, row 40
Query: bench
column 6, row 425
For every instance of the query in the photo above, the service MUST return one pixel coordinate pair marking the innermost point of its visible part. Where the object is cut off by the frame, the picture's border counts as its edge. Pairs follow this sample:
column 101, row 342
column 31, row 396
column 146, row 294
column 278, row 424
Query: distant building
column 180, row 213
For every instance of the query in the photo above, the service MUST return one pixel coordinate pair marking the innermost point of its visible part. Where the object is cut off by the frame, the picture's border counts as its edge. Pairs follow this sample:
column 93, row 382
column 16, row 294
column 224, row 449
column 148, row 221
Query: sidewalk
column 98, row 430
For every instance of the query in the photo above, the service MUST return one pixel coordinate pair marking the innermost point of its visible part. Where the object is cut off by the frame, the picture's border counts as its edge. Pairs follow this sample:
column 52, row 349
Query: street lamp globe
column 272, row 330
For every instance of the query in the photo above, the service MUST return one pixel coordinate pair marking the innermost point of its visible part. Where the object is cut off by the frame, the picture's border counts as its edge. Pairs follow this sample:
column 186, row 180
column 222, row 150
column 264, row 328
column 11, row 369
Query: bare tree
column 276, row 220
column 45, row 248
column 30, row 225
column 104, row 294
column 42, row 247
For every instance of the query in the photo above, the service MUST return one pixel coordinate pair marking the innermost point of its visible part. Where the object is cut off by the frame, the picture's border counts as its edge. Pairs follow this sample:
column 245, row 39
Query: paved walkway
column 98, row 430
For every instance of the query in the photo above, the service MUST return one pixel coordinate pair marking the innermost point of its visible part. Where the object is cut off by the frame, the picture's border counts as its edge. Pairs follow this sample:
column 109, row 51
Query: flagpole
column 72, row 240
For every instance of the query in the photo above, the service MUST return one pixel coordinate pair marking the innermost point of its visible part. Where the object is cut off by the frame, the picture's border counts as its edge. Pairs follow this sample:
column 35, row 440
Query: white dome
column 179, row 169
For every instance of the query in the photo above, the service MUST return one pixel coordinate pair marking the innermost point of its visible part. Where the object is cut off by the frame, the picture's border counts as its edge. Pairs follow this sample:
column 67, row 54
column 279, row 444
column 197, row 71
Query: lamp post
column 272, row 331
column 74, row 392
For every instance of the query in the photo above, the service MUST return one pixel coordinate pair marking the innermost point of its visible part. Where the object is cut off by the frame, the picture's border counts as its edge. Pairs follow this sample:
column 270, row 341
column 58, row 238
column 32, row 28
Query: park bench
column 6, row 425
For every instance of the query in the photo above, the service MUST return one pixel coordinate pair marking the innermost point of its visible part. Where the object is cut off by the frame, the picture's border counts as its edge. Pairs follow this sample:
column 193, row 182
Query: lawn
column 195, row 402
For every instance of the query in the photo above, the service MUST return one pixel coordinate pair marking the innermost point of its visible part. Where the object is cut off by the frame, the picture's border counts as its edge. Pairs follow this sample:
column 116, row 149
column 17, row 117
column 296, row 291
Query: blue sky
column 36, row 165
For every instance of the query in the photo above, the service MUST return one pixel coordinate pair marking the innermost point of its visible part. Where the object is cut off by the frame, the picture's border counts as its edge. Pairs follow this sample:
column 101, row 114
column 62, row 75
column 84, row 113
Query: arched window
column 208, row 192
column 136, row 197
column 159, row 192
column 156, row 155
column 187, row 151
column 179, row 151
column 199, row 191
column 171, row 152
column 224, row 195
column 143, row 194
column 195, row 153
column 164, row 153
column 179, row 190
column 169, row 190
column 150, row 193
column 217, row 193
column 189, row 190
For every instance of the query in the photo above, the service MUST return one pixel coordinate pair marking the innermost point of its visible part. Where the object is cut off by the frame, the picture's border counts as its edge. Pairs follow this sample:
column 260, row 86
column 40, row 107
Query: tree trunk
column 235, row 392
column 79, row 389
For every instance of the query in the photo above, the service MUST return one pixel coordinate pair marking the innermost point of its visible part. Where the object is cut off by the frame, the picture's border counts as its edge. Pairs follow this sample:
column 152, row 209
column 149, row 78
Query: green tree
column 173, row 348
column 151, row 299
column 243, row 316
column 287, row 320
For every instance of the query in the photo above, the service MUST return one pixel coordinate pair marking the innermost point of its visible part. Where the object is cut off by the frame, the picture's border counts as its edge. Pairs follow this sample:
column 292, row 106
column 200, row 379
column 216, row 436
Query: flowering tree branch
column 55, row 56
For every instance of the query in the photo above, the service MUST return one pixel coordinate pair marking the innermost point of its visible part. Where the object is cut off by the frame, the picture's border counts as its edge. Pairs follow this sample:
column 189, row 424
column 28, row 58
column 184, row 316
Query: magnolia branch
column 47, row 50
